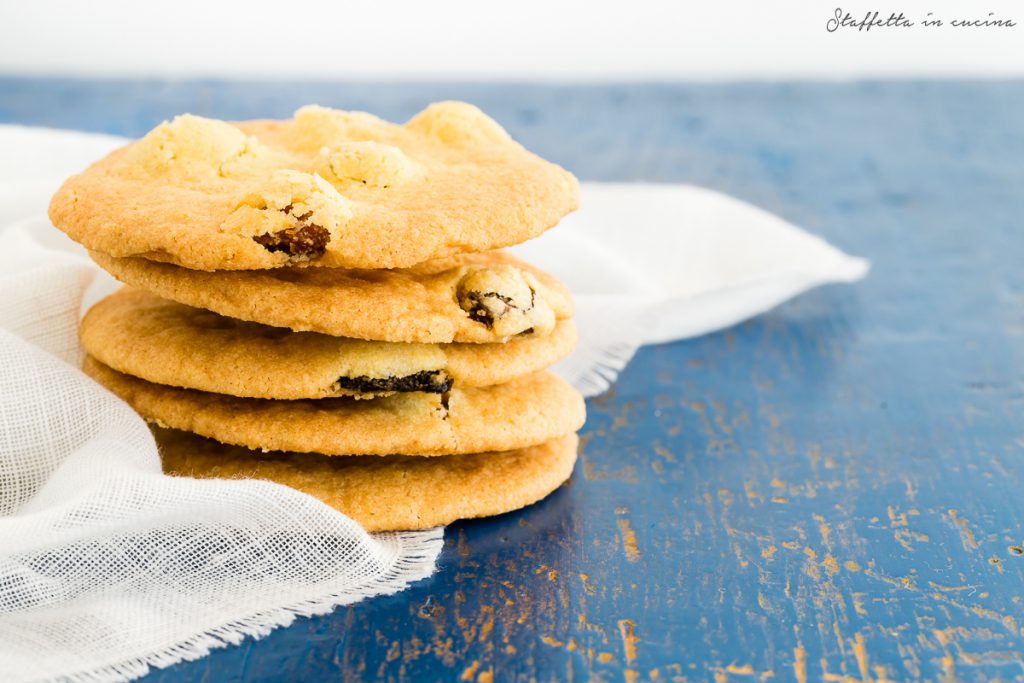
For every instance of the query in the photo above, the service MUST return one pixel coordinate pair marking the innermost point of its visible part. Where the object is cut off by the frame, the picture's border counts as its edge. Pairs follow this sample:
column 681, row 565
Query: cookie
column 332, row 188
column 477, row 298
column 164, row 342
column 524, row 412
column 391, row 493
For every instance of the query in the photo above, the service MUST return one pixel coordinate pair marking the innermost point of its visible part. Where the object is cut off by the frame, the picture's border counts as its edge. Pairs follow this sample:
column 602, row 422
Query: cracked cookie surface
column 523, row 412
column 164, row 342
column 389, row 493
column 426, row 303
column 327, row 187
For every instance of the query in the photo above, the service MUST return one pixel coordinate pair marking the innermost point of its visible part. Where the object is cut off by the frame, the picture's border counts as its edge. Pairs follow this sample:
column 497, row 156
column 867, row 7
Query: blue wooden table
column 833, row 491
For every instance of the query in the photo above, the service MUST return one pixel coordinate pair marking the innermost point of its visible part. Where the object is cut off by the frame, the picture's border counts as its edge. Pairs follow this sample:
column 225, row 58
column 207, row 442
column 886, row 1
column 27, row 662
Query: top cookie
column 329, row 188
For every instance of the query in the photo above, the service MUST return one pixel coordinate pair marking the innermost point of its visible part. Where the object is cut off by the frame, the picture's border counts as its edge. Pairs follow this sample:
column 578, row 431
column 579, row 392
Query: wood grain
column 828, row 492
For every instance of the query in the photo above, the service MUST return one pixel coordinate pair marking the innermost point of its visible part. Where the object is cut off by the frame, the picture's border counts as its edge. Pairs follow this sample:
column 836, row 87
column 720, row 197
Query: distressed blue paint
column 877, row 425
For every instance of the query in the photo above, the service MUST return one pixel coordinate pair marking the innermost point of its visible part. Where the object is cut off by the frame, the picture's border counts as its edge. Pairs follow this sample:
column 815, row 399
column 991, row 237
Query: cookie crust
column 334, row 188
column 160, row 341
column 391, row 493
column 418, row 304
column 524, row 412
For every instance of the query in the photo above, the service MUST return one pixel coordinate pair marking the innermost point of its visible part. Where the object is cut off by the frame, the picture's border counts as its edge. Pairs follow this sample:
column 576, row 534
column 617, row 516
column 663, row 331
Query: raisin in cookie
column 391, row 493
column 477, row 298
column 327, row 187
column 164, row 342
column 524, row 412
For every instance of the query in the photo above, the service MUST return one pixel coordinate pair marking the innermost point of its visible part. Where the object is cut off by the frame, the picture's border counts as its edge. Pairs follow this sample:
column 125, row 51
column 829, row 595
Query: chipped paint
column 628, row 537
column 966, row 534
column 469, row 673
column 800, row 664
column 627, row 632
column 858, row 604
column 860, row 651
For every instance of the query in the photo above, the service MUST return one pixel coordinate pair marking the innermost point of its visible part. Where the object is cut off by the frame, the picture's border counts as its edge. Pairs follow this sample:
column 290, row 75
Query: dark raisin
column 483, row 307
column 446, row 398
column 307, row 241
column 430, row 381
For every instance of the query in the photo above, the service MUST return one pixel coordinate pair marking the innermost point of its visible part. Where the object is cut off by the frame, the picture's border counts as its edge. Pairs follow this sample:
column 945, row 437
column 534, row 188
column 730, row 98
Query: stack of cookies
column 320, row 302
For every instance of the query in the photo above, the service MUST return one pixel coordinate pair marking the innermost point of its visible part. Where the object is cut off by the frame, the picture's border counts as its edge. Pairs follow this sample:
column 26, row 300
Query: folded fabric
column 650, row 264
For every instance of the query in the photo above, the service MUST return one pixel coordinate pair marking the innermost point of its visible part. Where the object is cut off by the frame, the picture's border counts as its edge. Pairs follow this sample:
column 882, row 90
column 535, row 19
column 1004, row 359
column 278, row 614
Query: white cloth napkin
column 107, row 567
column 649, row 264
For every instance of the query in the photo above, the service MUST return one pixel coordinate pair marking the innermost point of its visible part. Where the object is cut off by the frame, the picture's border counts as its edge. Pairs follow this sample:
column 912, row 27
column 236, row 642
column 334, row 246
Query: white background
column 527, row 39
